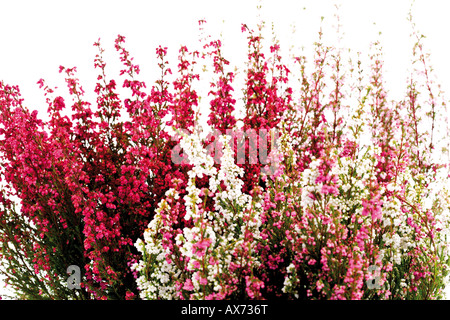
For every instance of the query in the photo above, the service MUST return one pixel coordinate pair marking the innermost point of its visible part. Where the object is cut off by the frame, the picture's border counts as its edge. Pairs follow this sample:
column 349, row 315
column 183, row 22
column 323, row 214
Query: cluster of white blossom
column 156, row 275
column 234, row 212
column 437, row 200
column 285, row 143
column 308, row 183
column 433, row 198
column 216, row 238
column 203, row 164
column 291, row 281
column 352, row 176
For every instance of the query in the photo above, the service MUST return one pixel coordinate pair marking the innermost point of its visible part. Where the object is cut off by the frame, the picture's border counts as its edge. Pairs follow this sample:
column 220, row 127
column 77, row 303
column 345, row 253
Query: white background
column 39, row 36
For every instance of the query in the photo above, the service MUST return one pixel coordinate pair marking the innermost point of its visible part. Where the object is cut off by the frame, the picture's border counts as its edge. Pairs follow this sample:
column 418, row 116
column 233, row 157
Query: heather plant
column 323, row 189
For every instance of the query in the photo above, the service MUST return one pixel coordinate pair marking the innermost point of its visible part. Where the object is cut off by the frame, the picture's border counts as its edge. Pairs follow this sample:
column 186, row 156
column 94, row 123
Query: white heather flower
column 390, row 187
column 290, row 268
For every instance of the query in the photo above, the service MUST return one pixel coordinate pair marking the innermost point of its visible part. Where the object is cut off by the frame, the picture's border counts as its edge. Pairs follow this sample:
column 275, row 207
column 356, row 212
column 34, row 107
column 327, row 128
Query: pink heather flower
column 372, row 206
column 196, row 264
column 312, row 261
column 188, row 286
column 200, row 247
column 329, row 190
column 253, row 287
column 212, row 261
column 40, row 83
column 319, row 285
